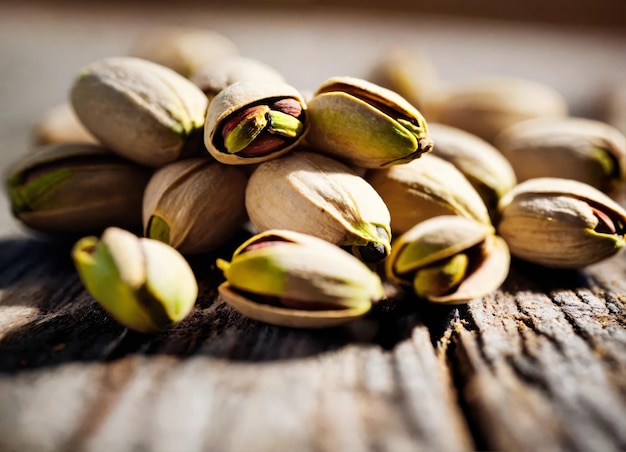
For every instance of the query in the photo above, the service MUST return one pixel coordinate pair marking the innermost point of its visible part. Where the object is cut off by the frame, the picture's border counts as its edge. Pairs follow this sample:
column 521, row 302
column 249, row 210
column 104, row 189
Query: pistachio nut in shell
column 183, row 49
column 449, row 259
column 364, row 124
column 426, row 188
column 141, row 110
column 583, row 149
column 76, row 187
column 194, row 204
column 317, row 195
column 60, row 125
column 144, row 284
column 252, row 121
column 292, row 279
column 561, row 223
column 486, row 106
column 483, row 165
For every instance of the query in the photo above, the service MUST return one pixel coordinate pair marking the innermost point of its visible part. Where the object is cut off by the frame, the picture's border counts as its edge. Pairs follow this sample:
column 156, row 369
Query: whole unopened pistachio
column 586, row 150
column 426, row 188
column 144, row 284
column 75, row 187
column 60, row 125
column 488, row 105
column 482, row 164
column 141, row 110
column 316, row 195
column 449, row 259
column 183, row 49
column 364, row 124
column 252, row 121
column 561, row 223
column 195, row 204
column 292, row 279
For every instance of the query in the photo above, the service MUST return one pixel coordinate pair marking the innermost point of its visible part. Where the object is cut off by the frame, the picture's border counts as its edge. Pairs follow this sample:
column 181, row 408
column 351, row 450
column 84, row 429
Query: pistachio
column 292, row 279
column 141, row 110
column 60, row 125
column 449, row 259
column 316, row 195
column 363, row 124
column 183, row 49
column 213, row 77
column 482, row 164
column 426, row 188
column 561, row 223
column 611, row 105
column 486, row 106
column 144, row 284
column 75, row 187
column 586, row 150
column 195, row 204
column 253, row 120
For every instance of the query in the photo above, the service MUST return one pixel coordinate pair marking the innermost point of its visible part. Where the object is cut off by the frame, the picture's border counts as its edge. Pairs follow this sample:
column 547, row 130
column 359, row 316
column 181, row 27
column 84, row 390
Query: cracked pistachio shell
column 238, row 97
column 141, row 110
column 291, row 279
column 429, row 245
column 144, row 284
column 364, row 124
column 316, row 195
column 183, row 49
column 483, row 165
column 487, row 106
column 426, row 188
column 586, row 150
column 60, row 125
column 76, row 187
column 561, row 223
column 195, row 204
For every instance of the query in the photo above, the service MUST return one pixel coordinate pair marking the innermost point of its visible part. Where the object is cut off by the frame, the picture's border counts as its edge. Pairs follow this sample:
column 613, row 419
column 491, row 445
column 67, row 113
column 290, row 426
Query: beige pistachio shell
column 195, row 204
column 586, row 150
column 183, row 49
column 611, row 105
column 236, row 97
column 60, row 125
column 141, row 110
column 488, row 105
column 426, row 188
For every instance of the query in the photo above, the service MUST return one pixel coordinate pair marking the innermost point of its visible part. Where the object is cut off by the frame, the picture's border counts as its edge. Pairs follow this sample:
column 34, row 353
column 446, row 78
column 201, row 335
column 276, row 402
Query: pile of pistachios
column 169, row 151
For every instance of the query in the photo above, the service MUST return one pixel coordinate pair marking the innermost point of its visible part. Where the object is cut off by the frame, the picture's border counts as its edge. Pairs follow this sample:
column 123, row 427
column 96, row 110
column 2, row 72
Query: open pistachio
column 561, row 223
column 363, row 124
column 195, row 204
column 292, row 279
column 482, row 164
column 144, row 284
column 253, row 120
column 426, row 188
column 316, row 195
column 141, row 110
column 75, row 187
column 449, row 259
column 60, row 125
column 586, row 150
column 183, row 49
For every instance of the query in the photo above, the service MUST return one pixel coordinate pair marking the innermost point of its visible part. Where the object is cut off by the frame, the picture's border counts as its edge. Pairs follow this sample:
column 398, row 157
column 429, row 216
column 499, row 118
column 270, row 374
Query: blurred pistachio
column 449, row 259
column 561, row 223
column 611, row 105
column 60, row 125
column 426, row 188
column 214, row 76
column 252, row 121
column 144, row 284
column 586, row 150
column 316, row 195
column 194, row 205
column 141, row 110
column 363, row 124
column 183, row 49
column 76, row 187
column 292, row 279
column 486, row 106
column 483, row 165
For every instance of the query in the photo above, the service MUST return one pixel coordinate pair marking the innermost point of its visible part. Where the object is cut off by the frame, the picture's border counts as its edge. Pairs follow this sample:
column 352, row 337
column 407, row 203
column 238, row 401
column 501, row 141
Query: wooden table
column 538, row 365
